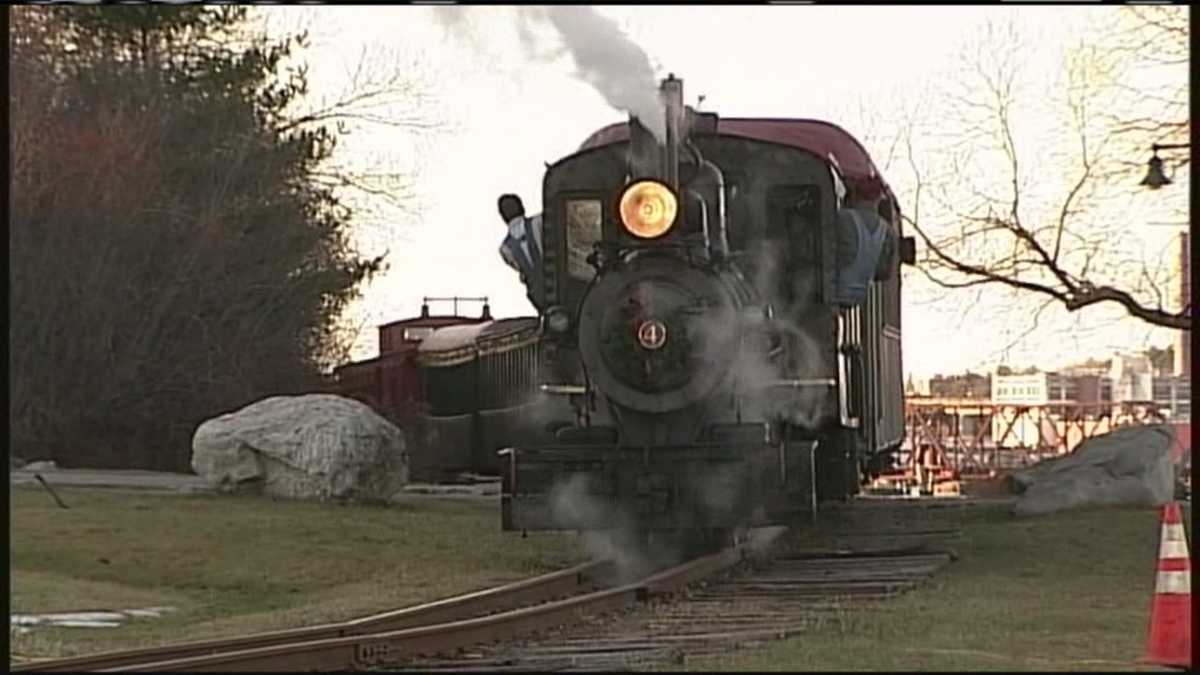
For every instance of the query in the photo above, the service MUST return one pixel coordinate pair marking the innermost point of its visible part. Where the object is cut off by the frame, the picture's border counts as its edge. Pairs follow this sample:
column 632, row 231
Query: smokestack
column 672, row 95
column 1183, row 341
column 649, row 158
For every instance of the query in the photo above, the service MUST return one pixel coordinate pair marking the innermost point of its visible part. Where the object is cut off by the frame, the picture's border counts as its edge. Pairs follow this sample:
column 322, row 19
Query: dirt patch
column 1000, row 485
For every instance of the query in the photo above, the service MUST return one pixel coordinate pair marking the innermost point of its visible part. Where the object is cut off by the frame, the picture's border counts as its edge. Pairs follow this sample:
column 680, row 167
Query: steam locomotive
column 696, row 371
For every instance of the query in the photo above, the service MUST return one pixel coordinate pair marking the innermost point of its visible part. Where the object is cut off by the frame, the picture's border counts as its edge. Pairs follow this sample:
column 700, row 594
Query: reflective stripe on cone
column 1174, row 542
column 1173, row 582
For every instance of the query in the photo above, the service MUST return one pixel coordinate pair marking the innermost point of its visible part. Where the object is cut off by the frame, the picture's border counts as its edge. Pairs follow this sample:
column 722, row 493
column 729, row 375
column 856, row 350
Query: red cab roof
column 820, row 138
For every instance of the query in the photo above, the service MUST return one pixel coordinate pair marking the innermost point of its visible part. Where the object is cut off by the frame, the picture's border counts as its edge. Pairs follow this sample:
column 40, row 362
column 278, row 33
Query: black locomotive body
column 698, row 374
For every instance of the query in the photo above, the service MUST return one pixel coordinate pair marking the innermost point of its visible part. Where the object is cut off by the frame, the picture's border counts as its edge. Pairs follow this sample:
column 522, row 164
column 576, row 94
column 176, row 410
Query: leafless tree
column 382, row 87
column 170, row 258
column 380, row 100
column 1038, row 209
column 1149, row 42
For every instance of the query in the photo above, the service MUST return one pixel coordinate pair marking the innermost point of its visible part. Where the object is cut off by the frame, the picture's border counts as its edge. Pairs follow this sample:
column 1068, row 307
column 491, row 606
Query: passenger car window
column 417, row 333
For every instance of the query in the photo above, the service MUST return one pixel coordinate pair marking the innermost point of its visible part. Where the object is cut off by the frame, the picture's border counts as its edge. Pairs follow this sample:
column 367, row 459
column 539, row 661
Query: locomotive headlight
column 648, row 209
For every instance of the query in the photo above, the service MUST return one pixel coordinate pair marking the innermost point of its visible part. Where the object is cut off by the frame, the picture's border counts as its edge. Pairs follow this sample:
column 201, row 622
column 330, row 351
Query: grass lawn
column 1068, row 591
column 233, row 565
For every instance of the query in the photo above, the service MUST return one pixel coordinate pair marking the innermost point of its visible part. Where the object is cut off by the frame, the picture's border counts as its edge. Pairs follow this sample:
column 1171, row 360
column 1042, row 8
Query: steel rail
column 378, row 641
column 535, row 589
column 786, row 595
column 384, row 647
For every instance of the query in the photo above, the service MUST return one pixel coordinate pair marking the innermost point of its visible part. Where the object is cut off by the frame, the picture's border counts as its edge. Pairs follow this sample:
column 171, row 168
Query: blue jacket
column 862, row 235
column 521, row 250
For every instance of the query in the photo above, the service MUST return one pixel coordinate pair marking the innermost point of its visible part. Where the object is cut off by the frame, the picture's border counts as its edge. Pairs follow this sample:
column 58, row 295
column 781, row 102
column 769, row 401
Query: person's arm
column 535, row 225
column 508, row 258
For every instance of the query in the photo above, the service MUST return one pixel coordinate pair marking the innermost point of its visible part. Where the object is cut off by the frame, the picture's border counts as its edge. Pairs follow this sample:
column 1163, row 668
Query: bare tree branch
column 1027, row 240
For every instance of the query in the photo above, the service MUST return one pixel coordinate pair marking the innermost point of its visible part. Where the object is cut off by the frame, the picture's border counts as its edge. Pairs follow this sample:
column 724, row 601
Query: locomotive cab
column 702, row 375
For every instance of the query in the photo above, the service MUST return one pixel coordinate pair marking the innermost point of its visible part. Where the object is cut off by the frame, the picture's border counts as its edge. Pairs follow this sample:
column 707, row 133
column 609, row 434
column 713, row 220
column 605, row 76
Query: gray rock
column 1130, row 466
column 318, row 446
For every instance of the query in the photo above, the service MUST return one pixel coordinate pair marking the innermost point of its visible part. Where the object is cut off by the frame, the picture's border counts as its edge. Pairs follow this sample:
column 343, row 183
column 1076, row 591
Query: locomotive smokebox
column 649, row 158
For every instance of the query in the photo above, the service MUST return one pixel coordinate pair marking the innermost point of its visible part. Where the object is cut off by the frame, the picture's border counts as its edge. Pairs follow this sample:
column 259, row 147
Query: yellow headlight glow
column 648, row 209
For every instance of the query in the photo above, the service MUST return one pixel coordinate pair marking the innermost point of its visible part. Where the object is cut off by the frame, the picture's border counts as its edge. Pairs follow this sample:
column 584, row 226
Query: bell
column 1155, row 178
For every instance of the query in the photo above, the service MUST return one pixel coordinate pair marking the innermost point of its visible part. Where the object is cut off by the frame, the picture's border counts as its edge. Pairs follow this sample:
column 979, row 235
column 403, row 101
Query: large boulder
column 1129, row 466
column 313, row 446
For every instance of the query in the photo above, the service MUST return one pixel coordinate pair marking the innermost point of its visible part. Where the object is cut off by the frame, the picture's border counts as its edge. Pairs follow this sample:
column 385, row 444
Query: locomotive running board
column 586, row 487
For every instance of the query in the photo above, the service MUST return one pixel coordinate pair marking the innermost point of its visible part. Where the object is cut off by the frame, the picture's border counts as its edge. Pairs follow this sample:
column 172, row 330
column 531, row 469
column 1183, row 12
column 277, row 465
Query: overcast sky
column 499, row 113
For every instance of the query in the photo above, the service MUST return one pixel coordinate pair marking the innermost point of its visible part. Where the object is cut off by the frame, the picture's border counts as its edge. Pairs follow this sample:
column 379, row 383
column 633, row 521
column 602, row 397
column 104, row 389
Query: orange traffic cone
column 1170, row 641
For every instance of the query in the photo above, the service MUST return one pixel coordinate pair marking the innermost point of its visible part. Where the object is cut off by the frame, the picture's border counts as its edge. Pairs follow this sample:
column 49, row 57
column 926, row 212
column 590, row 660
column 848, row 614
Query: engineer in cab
column 866, row 242
column 522, row 245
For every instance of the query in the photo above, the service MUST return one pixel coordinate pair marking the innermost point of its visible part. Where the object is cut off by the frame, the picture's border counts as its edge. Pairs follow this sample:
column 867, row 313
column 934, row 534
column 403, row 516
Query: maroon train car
column 391, row 382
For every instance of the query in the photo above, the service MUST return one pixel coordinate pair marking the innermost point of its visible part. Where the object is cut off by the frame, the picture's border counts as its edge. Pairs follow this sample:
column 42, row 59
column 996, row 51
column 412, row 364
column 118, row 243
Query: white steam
column 573, row 504
column 771, row 354
column 609, row 61
column 604, row 56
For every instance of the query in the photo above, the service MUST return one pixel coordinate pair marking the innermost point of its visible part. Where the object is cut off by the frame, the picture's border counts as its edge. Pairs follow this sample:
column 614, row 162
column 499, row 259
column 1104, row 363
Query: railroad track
column 487, row 616
column 542, row 588
column 571, row 612
column 799, row 588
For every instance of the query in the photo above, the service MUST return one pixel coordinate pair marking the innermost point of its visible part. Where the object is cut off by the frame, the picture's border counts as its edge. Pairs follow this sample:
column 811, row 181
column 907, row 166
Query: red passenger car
column 391, row 382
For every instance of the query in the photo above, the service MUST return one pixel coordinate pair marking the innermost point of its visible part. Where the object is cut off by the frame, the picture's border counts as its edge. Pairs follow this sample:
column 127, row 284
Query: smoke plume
column 609, row 61
column 604, row 56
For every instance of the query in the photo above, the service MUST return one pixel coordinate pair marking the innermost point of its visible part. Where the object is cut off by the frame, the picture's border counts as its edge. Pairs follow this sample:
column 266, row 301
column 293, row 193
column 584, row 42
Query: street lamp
column 1155, row 177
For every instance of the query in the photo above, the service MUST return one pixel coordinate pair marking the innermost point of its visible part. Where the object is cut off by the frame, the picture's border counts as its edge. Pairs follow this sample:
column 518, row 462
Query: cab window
column 584, row 220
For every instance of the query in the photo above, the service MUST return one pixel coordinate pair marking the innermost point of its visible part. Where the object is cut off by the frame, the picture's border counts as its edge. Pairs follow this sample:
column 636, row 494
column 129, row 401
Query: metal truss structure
column 978, row 437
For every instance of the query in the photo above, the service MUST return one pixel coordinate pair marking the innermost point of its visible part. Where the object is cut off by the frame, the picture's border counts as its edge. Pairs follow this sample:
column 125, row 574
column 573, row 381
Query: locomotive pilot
column 865, row 245
column 522, row 245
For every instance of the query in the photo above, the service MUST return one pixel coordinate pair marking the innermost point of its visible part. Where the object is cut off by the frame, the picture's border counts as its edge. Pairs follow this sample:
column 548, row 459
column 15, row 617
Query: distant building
column 1172, row 396
column 1030, row 408
column 968, row 385
column 1183, row 344
column 1132, row 378
column 1162, row 361
column 1092, row 389
column 916, row 386
column 1035, row 389
column 1046, row 389
column 1098, row 367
